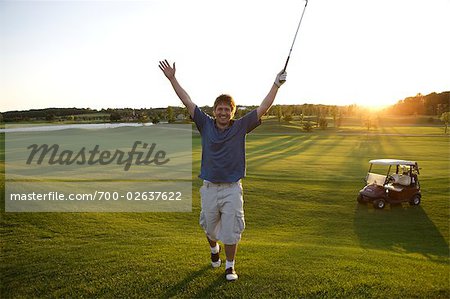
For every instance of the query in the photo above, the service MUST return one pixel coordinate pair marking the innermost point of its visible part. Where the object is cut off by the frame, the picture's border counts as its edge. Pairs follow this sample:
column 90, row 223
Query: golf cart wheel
column 379, row 204
column 415, row 201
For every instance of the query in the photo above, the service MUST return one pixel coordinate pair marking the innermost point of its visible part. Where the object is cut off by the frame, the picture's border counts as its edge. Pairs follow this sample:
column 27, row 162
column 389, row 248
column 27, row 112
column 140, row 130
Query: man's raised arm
column 270, row 97
column 169, row 72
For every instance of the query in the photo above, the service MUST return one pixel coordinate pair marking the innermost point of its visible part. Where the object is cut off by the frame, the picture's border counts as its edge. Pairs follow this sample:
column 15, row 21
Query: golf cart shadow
column 401, row 228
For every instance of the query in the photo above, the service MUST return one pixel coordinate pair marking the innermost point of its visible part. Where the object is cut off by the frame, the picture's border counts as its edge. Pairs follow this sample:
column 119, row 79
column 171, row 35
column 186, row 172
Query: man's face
column 223, row 114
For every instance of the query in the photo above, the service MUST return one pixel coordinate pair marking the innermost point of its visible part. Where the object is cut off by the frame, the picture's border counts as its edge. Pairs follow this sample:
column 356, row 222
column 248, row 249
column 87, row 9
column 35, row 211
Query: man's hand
column 168, row 71
column 281, row 78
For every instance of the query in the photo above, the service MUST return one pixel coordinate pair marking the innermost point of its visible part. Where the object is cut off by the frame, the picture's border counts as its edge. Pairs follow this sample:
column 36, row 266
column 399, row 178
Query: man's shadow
column 400, row 228
column 183, row 285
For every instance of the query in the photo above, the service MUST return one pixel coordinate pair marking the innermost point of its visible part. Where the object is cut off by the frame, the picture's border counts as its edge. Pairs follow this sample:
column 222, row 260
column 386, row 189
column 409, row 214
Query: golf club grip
column 285, row 65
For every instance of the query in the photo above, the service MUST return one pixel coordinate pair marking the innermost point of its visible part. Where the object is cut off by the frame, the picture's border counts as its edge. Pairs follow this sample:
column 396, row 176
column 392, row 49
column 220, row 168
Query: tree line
column 169, row 114
column 433, row 104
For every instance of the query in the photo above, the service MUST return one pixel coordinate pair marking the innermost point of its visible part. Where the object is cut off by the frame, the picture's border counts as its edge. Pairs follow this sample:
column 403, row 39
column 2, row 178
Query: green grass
column 305, row 237
column 352, row 126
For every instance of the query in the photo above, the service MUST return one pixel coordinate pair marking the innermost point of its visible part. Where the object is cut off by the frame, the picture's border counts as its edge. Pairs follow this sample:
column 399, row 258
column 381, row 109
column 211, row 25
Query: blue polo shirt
column 223, row 152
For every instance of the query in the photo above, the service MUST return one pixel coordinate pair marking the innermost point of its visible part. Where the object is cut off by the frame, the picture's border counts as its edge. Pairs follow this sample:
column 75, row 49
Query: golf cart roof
column 391, row 162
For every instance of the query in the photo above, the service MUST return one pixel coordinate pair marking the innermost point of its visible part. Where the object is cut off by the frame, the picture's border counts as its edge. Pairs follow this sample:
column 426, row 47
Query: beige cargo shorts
column 222, row 214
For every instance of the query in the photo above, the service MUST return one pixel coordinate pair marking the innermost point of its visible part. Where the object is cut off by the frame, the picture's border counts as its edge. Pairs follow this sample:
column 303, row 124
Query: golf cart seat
column 402, row 179
column 396, row 188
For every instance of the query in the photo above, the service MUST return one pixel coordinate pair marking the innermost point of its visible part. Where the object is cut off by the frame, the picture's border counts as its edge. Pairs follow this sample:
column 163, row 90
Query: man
column 223, row 166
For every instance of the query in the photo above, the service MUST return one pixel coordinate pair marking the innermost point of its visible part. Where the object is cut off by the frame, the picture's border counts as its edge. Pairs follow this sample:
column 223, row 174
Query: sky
column 104, row 54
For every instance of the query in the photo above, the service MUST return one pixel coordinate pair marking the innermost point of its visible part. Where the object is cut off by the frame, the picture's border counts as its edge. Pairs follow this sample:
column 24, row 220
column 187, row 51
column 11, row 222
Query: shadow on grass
column 289, row 146
column 216, row 284
column 400, row 228
column 179, row 288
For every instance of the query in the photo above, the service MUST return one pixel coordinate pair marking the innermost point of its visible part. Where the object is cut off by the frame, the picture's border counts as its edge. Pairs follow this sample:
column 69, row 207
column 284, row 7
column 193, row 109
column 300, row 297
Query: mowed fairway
column 306, row 236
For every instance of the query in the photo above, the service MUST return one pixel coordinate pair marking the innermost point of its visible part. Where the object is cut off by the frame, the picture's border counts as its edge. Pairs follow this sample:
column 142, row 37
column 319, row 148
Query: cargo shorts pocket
column 239, row 223
column 202, row 220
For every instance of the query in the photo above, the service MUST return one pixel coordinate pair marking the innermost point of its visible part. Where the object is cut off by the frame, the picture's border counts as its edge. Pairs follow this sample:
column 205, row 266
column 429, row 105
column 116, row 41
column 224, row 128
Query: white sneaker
column 215, row 259
column 216, row 264
column 230, row 274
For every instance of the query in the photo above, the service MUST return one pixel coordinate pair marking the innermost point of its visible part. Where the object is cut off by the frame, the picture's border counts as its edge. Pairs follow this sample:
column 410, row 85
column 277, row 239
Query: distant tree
column 241, row 111
column 170, row 115
column 50, row 117
column 291, row 110
column 279, row 113
column 441, row 108
column 155, row 119
column 323, row 123
column 431, row 104
column 445, row 119
column 369, row 122
column 307, row 126
column 334, row 113
column 338, row 122
column 287, row 117
column 308, row 109
column 115, row 116
column 352, row 110
column 186, row 113
column 142, row 118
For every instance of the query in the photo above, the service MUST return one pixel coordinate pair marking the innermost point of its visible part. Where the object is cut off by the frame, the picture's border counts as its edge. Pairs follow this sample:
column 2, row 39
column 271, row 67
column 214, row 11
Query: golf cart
column 399, row 184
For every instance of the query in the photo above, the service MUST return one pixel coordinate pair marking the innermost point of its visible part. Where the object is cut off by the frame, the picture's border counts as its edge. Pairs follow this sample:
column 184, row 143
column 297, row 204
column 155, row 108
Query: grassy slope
column 305, row 234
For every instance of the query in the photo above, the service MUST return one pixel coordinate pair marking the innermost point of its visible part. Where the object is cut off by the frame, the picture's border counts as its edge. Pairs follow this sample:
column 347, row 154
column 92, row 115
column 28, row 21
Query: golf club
column 295, row 37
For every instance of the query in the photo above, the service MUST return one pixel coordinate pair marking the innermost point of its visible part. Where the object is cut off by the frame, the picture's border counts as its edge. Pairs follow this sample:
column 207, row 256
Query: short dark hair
column 225, row 99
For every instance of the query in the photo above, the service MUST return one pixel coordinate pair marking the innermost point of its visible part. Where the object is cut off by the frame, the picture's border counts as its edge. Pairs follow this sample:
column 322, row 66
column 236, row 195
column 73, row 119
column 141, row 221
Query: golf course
column 305, row 237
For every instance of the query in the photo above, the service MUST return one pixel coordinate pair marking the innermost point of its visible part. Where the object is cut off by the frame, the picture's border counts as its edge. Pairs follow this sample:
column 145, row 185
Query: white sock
column 229, row 264
column 215, row 249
